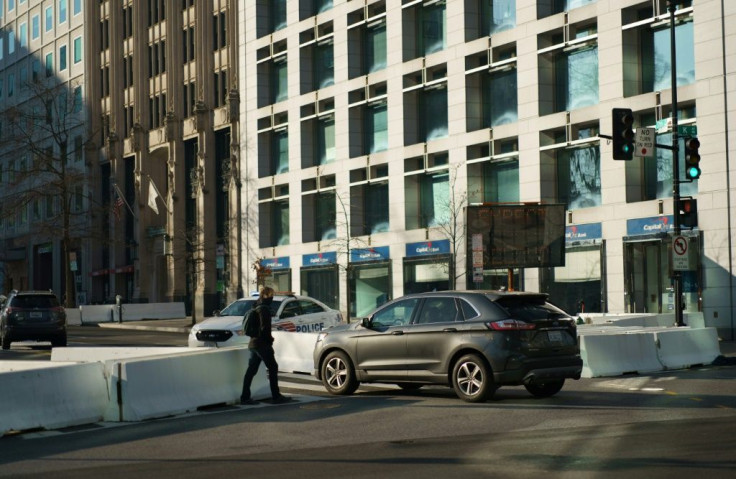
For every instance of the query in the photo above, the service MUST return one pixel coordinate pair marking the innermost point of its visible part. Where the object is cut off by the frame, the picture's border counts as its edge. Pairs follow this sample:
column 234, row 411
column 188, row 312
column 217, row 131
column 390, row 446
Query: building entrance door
column 646, row 269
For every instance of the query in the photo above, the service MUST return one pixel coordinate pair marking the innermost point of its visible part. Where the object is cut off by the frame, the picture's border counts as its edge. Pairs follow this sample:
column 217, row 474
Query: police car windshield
column 241, row 306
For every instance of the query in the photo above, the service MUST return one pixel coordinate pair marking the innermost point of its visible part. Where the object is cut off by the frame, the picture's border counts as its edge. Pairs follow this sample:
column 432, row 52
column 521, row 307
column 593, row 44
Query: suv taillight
column 58, row 313
column 510, row 325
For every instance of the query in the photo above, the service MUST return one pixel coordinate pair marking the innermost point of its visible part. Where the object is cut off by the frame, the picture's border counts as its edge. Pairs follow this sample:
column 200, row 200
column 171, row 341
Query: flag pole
column 122, row 197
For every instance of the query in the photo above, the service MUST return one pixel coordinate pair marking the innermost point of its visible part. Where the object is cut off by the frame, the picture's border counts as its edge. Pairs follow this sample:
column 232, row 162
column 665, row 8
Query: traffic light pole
column 676, row 275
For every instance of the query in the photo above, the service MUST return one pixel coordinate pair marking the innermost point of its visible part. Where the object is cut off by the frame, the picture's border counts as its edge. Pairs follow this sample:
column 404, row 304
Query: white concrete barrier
column 164, row 386
column 685, row 347
column 73, row 316
column 103, row 313
column 58, row 395
column 96, row 313
column 609, row 354
column 102, row 354
column 138, row 311
column 294, row 351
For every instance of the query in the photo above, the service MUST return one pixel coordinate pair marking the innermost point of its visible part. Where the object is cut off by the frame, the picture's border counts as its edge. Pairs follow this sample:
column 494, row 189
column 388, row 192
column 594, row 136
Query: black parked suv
column 32, row 315
column 472, row 341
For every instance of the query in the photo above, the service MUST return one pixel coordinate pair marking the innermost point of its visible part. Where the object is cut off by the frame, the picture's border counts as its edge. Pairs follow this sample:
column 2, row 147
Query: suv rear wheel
column 545, row 389
column 471, row 379
column 338, row 374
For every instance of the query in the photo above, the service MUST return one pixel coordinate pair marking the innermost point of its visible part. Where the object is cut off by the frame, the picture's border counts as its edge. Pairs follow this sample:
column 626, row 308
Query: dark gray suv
column 473, row 341
column 32, row 315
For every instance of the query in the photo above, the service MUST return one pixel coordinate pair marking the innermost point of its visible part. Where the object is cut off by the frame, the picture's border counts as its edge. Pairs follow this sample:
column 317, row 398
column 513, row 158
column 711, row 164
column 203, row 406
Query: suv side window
column 468, row 311
column 397, row 314
column 438, row 310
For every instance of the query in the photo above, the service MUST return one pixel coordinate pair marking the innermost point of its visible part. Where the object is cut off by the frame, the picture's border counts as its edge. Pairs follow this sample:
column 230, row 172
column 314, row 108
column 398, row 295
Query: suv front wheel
column 338, row 374
column 471, row 379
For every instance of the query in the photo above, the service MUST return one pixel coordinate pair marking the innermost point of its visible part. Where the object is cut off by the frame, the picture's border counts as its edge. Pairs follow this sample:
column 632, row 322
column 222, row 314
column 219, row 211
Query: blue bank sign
column 652, row 225
column 426, row 248
column 583, row 233
column 276, row 263
column 379, row 253
column 319, row 259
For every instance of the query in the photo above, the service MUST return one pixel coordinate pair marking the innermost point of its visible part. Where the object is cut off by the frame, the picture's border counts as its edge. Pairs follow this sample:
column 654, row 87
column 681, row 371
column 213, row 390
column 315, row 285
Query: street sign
column 664, row 125
column 687, row 130
column 680, row 254
column 644, row 143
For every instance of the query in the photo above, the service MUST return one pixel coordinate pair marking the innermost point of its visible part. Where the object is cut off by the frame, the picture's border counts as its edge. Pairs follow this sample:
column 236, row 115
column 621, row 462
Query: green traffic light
column 625, row 148
column 693, row 172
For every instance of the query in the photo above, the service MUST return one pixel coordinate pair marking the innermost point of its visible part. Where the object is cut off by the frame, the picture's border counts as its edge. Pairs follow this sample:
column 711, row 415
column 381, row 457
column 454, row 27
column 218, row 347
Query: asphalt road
column 672, row 424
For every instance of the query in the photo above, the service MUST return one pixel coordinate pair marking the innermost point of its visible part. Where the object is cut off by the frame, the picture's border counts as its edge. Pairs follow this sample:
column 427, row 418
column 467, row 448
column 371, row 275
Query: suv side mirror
column 366, row 323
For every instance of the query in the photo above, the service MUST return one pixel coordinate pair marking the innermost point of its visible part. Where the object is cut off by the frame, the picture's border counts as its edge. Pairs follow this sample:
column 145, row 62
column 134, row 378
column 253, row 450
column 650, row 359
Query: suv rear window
column 35, row 301
column 530, row 309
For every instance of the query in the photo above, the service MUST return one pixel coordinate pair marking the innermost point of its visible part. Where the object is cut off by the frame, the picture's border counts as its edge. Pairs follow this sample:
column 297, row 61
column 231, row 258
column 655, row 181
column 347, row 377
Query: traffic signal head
column 688, row 212
column 623, row 134
column 692, row 158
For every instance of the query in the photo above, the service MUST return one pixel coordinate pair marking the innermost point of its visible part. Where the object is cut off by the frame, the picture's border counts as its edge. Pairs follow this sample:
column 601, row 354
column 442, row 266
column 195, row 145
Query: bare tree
column 47, row 179
column 451, row 224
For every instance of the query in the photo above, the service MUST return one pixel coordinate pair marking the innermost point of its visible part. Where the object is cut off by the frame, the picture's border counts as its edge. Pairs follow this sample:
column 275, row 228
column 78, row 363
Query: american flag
column 117, row 206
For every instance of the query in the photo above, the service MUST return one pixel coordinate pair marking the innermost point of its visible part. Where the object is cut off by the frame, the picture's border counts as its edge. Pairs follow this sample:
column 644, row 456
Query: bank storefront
column 580, row 285
column 648, row 285
column 427, row 266
column 369, row 279
column 319, row 278
column 276, row 273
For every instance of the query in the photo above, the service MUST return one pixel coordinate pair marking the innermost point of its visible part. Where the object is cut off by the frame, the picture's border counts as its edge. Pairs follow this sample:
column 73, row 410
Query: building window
column 429, row 34
column 62, row 11
column 23, row 40
column 427, row 191
column 318, row 134
column 128, row 71
column 188, row 38
column 546, row 8
column 35, row 27
column 77, row 99
column 493, row 172
column 11, row 85
column 647, row 65
column 77, row 50
column 277, row 15
column 272, row 74
column 190, row 98
column 273, row 218
column 425, row 105
column 571, row 155
column 49, row 64
column 491, row 93
column 127, row 21
column 368, row 120
column 318, row 215
column 273, row 148
column 157, row 58
column 77, row 7
column 157, row 110
column 220, row 84
column 367, row 40
column 62, row 58
column 49, row 19
column 11, row 42
column 316, row 51
column 219, row 31
column 568, row 69
column 369, row 200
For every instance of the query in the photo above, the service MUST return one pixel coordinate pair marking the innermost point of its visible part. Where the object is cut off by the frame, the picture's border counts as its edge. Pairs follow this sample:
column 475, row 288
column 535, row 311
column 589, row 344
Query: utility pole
column 676, row 275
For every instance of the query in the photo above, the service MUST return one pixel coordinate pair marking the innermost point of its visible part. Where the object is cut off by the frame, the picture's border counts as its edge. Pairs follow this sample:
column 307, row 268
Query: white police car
column 299, row 314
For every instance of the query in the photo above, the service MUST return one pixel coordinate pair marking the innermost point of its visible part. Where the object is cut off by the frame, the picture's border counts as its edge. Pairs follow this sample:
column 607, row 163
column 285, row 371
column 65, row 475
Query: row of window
column 21, row 36
column 431, row 196
column 567, row 65
column 11, row 81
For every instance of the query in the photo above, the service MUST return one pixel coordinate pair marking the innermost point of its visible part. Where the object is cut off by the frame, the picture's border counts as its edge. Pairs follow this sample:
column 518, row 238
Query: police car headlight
column 239, row 332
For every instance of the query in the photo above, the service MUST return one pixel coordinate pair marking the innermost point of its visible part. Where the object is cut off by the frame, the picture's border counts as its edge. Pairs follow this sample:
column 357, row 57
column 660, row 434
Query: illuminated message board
column 515, row 236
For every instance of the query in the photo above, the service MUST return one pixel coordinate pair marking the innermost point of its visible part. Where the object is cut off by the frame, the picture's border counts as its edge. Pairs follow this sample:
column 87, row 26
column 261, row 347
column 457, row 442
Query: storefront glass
column 319, row 278
column 369, row 280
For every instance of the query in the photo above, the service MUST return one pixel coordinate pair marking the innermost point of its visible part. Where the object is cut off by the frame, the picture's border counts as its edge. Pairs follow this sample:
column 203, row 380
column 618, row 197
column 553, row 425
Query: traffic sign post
column 680, row 255
column 644, row 146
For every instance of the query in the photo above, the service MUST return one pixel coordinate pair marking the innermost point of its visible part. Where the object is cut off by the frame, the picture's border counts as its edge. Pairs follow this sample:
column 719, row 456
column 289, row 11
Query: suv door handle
column 397, row 333
column 450, row 330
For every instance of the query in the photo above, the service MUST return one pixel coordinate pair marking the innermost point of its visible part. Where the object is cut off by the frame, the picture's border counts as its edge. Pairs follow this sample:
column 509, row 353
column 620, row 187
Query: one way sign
column 644, row 139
